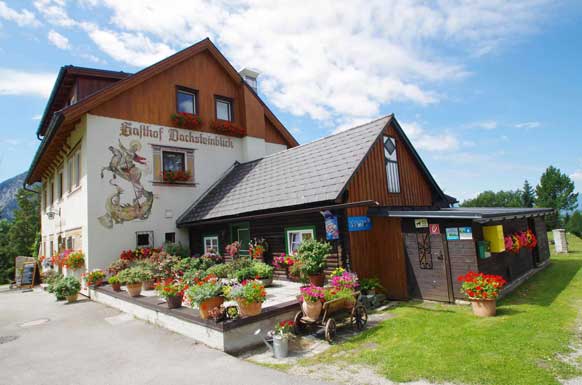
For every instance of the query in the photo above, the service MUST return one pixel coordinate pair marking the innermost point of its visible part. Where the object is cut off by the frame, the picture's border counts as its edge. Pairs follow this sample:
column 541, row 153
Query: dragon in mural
column 123, row 164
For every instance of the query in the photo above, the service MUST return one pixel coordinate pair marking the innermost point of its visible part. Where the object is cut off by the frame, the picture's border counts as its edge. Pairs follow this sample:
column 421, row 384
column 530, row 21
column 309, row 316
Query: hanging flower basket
column 228, row 128
column 186, row 120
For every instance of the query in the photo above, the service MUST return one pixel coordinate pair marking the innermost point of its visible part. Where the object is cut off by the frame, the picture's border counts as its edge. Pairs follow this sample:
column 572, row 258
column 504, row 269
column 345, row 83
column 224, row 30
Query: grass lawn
column 522, row 345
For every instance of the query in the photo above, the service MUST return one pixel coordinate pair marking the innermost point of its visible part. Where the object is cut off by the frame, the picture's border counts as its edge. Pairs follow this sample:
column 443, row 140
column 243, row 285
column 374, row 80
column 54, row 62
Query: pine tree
column 556, row 190
column 527, row 195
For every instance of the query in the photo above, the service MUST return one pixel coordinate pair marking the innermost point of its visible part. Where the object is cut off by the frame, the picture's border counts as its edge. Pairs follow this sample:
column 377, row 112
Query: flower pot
column 280, row 346
column 317, row 279
column 116, row 286
column 291, row 277
column 484, row 307
column 312, row 310
column 174, row 301
column 266, row 282
column 72, row 298
column 148, row 285
column 134, row 289
column 209, row 304
column 249, row 309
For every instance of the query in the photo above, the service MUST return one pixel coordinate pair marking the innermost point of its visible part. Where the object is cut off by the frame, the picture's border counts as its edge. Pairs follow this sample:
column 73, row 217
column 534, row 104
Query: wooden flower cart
column 334, row 312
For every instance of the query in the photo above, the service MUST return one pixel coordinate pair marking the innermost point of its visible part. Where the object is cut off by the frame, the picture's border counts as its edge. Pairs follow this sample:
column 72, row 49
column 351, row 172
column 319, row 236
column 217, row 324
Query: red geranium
column 481, row 286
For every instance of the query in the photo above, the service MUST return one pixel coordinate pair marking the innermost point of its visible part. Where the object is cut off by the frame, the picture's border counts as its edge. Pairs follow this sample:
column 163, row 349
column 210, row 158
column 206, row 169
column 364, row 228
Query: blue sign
column 359, row 223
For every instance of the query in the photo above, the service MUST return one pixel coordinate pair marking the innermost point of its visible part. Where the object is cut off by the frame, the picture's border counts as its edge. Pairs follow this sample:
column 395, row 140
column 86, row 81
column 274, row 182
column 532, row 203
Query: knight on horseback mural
column 124, row 164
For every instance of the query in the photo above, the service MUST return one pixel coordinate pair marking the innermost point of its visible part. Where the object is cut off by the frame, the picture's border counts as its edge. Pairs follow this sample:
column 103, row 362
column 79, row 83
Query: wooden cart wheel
column 359, row 317
column 330, row 329
column 299, row 327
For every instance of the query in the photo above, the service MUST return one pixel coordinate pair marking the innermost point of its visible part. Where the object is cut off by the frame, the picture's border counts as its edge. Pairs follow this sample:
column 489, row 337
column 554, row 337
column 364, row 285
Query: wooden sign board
column 29, row 273
column 18, row 266
column 421, row 223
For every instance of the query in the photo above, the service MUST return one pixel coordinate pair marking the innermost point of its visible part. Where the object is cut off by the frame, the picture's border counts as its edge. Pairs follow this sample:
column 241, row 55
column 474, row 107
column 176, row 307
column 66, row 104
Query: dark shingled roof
column 313, row 172
column 478, row 214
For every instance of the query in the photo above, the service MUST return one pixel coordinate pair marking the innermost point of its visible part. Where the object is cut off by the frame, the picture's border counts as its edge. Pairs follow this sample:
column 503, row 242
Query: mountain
column 8, row 190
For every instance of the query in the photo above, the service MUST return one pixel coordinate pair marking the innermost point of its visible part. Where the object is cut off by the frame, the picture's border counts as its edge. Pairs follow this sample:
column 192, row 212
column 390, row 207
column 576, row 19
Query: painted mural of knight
column 128, row 165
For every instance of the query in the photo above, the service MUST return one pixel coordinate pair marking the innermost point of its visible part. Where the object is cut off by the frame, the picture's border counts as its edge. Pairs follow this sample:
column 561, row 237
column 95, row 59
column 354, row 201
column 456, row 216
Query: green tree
column 19, row 237
column 527, row 195
column 495, row 199
column 574, row 225
column 556, row 190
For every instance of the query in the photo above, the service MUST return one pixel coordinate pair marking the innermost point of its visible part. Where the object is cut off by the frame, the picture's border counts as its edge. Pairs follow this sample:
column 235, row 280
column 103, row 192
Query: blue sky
column 489, row 92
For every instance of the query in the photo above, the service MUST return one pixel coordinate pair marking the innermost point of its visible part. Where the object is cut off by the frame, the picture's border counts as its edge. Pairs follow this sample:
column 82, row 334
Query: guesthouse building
column 186, row 151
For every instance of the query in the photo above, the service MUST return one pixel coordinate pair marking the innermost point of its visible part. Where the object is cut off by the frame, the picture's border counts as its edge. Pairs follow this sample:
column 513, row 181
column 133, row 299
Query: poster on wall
column 452, row 233
column 465, row 233
column 359, row 223
column 421, row 223
column 331, row 226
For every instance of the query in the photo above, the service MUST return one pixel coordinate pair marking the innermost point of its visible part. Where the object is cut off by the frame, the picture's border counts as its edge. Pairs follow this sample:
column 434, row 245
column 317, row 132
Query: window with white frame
column 210, row 243
column 294, row 237
column 60, row 184
column 74, row 170
column 144, row 239
column 223, row 109
column 391, row 161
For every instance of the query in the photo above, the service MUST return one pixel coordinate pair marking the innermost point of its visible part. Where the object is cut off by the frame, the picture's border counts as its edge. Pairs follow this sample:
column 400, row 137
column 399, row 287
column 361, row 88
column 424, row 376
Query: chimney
column 250, row 76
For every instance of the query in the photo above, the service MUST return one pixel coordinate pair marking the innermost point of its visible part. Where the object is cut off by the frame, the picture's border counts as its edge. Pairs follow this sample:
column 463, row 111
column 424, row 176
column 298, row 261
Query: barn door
column 428, row 258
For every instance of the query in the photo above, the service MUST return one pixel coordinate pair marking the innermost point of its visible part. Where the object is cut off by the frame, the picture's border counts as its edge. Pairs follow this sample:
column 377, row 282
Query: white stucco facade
column 107, row 212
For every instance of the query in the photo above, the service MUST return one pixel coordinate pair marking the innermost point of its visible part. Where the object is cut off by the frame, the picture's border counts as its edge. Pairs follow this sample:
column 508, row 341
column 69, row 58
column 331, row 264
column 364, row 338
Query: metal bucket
column 280, row 346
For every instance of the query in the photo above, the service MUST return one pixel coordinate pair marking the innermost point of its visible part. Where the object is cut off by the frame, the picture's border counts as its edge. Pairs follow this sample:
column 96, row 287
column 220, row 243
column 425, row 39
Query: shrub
column 113, row 280
column 367, row 284
column 177, row 249
column 249, row 292
column 243, row 274
column 134, row 275
column 119, row 265
column 52, row 284
column 311, row 254
column 209, row 287
column 193, row 276
column 51, row 276
column 221, row 270
column 262, row 270
column 66, row 287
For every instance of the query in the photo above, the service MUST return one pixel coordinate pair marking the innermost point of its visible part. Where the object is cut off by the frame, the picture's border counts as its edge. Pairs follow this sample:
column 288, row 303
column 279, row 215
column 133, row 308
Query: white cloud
column 434, row 142
column 23, row 18
column 15, row 82
column 485, row 125
column 577, row 176
column 58, row 40
column 528, row 125
column 37, row 117
column 335, row 62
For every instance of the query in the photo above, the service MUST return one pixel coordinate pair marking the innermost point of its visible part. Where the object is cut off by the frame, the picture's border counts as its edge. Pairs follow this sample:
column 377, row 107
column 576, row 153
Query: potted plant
column 172, row 291
column 482, row 291
column 115, row 283
column 94, row 278
column 284, row 262
column 74, row 260
column 263, row 273
column 132, row 279
column 148, row 270
column 233, row 249
column 257, row 248
column 68, row 288
column 312, row 298
column 345, row 279
column 368, row 286
column 206, row 293
column 116, row 266
column 249, row 296
column 283, row 330
column 311, row 254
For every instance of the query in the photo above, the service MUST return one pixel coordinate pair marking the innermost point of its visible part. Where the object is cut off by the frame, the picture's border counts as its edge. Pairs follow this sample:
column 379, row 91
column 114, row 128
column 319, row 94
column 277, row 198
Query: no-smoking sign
column 435, row 228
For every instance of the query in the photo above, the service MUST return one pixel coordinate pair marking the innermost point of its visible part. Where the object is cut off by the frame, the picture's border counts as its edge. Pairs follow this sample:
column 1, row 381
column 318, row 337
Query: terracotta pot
column 484, row 307
column 148, row 285
column 209, row 304
column 72, row 298
column 249, row 309
column 134, row 289
column 116, row 286
column 317, row 279
column 312, row 310
column 174, row 302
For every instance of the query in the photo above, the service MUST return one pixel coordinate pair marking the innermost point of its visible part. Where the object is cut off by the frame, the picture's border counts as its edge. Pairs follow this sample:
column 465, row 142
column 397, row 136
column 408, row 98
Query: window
column 78, row 168
column 145, row 238
column 210, row 243
column 74, row 170
column 173, row 161
column 52, row 193
column 170, row 238
column 60, row 185
column 69, row 244
column 391, row 162
column 186, row 100
column 178, row 161
column 223, row 109
column 70, row 174
column 44, row 196
column 295, row 236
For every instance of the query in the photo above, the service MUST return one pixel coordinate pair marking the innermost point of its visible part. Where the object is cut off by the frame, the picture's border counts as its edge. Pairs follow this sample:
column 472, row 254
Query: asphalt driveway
column 47, row 342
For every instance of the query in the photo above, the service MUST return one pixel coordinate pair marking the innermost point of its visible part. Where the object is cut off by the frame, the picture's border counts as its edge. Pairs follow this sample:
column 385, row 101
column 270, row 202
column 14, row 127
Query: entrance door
column 241, row 232
column 429, row 266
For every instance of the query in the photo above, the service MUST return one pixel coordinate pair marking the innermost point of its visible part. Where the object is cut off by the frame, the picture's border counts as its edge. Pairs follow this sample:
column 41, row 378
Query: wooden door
column 428, row 266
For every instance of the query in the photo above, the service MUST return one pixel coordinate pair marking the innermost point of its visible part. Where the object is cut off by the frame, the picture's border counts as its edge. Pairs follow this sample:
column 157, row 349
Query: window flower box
column 228, row 128
column 176, row 176
column 186, row 120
